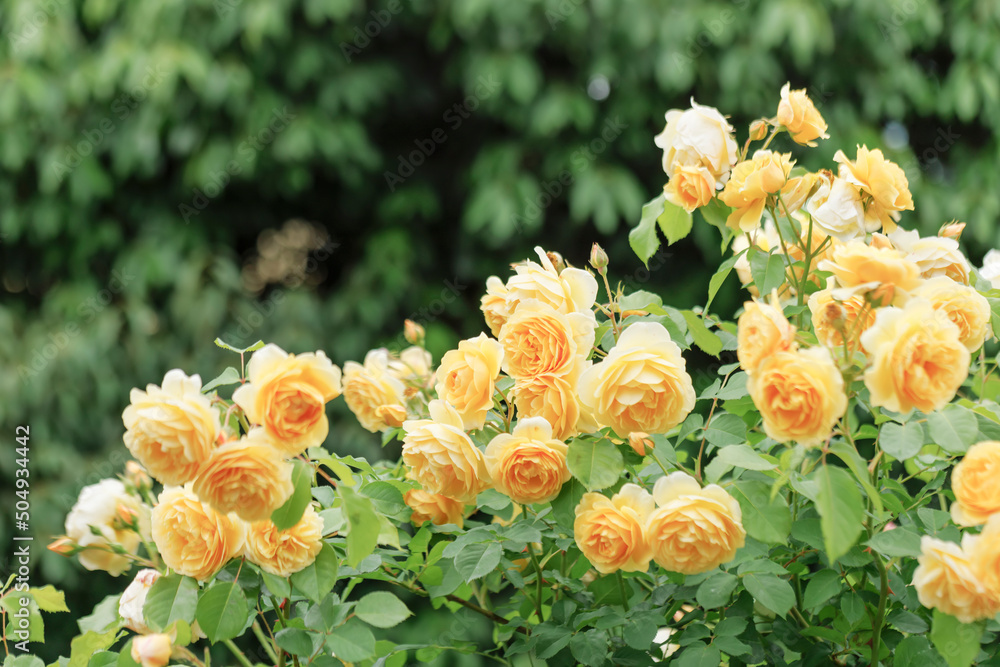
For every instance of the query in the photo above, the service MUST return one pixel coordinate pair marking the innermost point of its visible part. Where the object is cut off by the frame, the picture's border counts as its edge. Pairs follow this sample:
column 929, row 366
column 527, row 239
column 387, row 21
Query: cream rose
column 285, row 552
column 441, row 457
column 466, row 378
column 882, row 183
column 991, row 268
column 934, row 255
column 974, row 482
column 611, row 533
column 494, row 304
column 945, row 580
column 439, row 510
column 152, row 650
column 800, row 395
column 555, row 399
column 762, row 330
column 837, row 210
column 99, row 506
column 642, row 385
column 699, row 136
column 287, row 395
column 568, row 291
column 248, row 477
column 375, row 397
column 538, row 339
column 965, row 307
column 413, row 366
column 171, row 429
column 528, row 464
column 799, row 116
column 192, row 538
column 693, row 529
column 134, row 598
column 916, row 358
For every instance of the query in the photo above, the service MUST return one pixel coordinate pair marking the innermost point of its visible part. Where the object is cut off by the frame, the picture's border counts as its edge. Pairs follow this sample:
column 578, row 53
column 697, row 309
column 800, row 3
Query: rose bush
column 826, row 493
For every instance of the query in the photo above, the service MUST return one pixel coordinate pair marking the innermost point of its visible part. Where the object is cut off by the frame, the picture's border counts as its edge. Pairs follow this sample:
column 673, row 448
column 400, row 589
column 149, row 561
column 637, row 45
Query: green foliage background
column 114, row 114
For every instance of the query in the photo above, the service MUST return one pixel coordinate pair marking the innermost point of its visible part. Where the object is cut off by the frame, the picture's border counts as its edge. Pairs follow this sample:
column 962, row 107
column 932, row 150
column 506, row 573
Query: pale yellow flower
column 611, row 532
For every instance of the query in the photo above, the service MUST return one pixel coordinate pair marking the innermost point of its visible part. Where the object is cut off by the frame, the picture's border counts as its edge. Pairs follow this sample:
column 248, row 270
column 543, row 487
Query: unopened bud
column 152, row 650
column 63, row 546
column 557, row 261
column 393, row 415
column 598, row 258
column 126, row 516
column 758, row 129
column 881, row 241
column 952, row 230
column 640, row 442
column 137, row 476
column 413, row 332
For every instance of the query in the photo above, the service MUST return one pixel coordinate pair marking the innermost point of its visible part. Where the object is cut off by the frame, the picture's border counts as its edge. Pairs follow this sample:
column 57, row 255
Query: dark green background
column 114, row 114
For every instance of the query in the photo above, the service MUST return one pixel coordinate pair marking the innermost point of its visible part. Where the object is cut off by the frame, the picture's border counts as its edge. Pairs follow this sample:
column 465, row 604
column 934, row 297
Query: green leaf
column 104, row 614
column 743, row 456
column 291, row 512
column 767, row 270
column 896, row 543
column 954, row 428
column 278, row 586
column 596, row 462
column 715, row 591
column 382, row 609
column 82, row 648
column 363, row 524
column 477, row 560
column 49, row 599
column 352, row 642
column 764, row 518
column 227, row 377
column 703, row 338
column 171, row 598
column 901, row 441
column 771, row 591
column 823, row 586
column 225, row 346
column 642, row 238
column 674, row 222
column 726, row 429
column 317, row 579
column 719, row 277
column 698, row 654
column 295, row 640
column 957, row 642
column 916, row 652
column 841, row 509
column 222, row 611
column 590, row 648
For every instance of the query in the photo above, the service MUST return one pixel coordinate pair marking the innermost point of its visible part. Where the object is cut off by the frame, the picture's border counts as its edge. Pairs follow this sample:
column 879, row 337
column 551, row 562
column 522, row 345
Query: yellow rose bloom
column 974, row 482
column 752, row 182
column 528, row 464
column 699, row 136
column 466, row 378
column 611, row 533
column 798, row 189
column 642, row 385
column 538, row 339
column 372, row 393
column 854, row 264
column 285, row 552
column 836, row 209
column 916, row 358
column 568, row 291
column 800, row 395
column 835, row 319
column 171, row 429
column 441, row 457
column 964, row 306
column 983, row 552
column 287, row 395
column 799, row 116
column 882, row 183
column 192, row 538
column 690, row 187
column 433, row 507
column 945, row 580
column 248, row 477
column 494, row 304
column 933, row 255
column 762, row 330
column 693, row 529
column 554, row 398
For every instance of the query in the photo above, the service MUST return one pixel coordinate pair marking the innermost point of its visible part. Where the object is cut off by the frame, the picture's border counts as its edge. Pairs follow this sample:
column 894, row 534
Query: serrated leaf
column 292, row 510
column 222, row 611
column 957, row 642
column 719, row 277
column 596, row 462
column 82, row 648
column 896, row 543
column 916, row 652
column 477, row 560
column 382, row 609
column 352, row 642
column 171, row 598
column 317, row 579
column 764, row 518
column 49, row 599
column 364, row 526
column 767, row 270
column 715, row 591
column 227, row 377
column 954, row 429
column 841, row 509
column 771, row 591
column 821, row 587
column 295, row 641
column 703, row 338
column 901, row 441
column 226, row 346
column 674, row 222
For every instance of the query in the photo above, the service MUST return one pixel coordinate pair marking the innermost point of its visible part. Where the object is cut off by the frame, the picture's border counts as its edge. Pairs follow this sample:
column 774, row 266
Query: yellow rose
column 494, row 304
column 800, row 395
column 99, row 507
column 945, row 580
column 193, row 539
column 916, row 359
column 172, row 429
column 798, row 189
column 762, row 330
column 974, row 482
column 799, row 116
column 882, row 183
column 248, row 477
column 934, row 255
column 285, row 552
column 538, row 339
column 611, row 533
column 434, row 507
column 836, row 319
column 855, row 263
column 690, row 187
column 693, row 530
column 642, row 385
column 441, row 457
column 152, row 650
column 568, row 291
column 699, row 136
column 752, row 182
column 374, row 396
column 528, row 464
column 466, row 378
column 287, row 395
column 555, row 399
column 837, row 210
column 412, row 366
column 983, row 551
column 965, row 307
